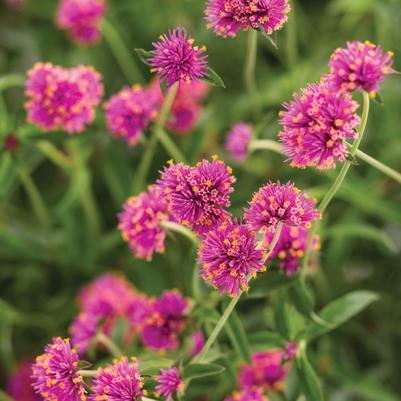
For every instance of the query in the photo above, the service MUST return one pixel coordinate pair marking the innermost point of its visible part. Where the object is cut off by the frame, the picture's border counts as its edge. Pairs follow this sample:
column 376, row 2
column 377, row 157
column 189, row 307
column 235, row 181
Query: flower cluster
column 81, row 19
column 238, row 140
column 168, row 383
column 62, row 99
column 227, row 17
column 316, row 125
column 19, row 384
column 247, row 394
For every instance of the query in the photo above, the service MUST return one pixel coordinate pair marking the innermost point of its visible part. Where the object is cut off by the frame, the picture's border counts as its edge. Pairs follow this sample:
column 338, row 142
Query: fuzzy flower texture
column 19, row 385
column 61, row 98
column 227, row 17
column 238, row 141
column 168, row 383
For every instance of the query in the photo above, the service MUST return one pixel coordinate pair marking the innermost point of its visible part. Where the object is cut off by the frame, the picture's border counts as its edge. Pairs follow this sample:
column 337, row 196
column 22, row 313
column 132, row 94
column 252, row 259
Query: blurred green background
column 42, row 268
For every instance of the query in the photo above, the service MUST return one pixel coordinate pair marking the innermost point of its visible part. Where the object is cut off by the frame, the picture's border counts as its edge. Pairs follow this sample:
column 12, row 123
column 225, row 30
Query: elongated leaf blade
column 199, row 370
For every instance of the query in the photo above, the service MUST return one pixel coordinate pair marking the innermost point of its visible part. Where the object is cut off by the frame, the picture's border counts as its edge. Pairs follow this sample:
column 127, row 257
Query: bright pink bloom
column 61, row 98
column 19, row 385
column 238, row 141
column 168, row 383
column 248, row 394
column 229, row 257
column 55, row 375
column 290, row 351
column 176, row 59
column 316, row 125
column 83, row 330
column 140, row 222
column 138, row 311
column 198, row 196
column 198, row 341
column 226, row 17
column 360, row 66
column 276, row 202
column 81, row 19
column 120, row 381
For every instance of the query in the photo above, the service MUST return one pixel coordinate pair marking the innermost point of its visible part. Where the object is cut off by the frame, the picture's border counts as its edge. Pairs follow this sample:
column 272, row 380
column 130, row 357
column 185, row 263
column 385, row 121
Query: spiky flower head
column 362, row 66
column 55, row 375
column 81, row 19
column 227, row 17
column 119, row 381
column 316, row 125
column 247, row 394
column 276, row 202
column 62, row 98
column 140, row 222
column 198, row 196
column 19, row 385
column 169, row 383
column 229, row 257
column 238, row 140
column 176, row 59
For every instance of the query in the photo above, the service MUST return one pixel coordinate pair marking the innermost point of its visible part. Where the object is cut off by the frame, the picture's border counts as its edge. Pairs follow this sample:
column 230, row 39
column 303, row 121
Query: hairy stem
column 112, row 347
column 180, row 229
column 53, row 154
column 266, row 144
column 170, row 147
column 250, row 65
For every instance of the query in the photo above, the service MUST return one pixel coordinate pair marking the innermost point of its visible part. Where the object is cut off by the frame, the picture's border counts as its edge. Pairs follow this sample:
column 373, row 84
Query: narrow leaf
column 143, row 55
column 198, row 370
column 309, row 382
column 214, row 78
column 281, row 318
column 267, row 339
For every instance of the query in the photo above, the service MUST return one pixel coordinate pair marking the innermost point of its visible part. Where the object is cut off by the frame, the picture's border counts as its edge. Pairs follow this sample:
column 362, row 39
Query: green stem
column 5, row 397
column 109, row 344
column 122, row 55
column 180, row 229
column 11, row 80
column 144, row 166
column 53, row 154
column 266, row 144
column 250, row 64
column 87, row 373
column 170, row 147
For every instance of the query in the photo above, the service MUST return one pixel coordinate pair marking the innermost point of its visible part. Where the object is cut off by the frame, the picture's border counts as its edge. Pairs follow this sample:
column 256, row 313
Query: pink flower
column 19, row 385
column 198, row 196
column 248, row 394
column 55, row 374
column 198, row 341
column 176, row 59
column 360, row 66
column 168, row 383
column 62, row 99
column 276, row 202
column 238, row 140
column 316, row 125
column 227, row 17
column 83, row 331
column 229, row 257
column 81, row 19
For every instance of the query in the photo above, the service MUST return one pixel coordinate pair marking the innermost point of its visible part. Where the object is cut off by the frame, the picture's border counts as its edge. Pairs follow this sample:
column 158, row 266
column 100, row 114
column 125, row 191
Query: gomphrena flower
column 226, row 17
column 19, row 385
column 248, row 394
column 62, row 98
column 229, row 257
column 168, row 383
column 360, row 66
column 316, row 125
column 55, row 375
column 290, row 248
column 276, row 202
column 197, row 342
column 238, row 140
column 176, row 59
column 198, row 196
column 119, row 381
column 129, row 112
column 83, row 330
column 81, row 19
column 140, row 222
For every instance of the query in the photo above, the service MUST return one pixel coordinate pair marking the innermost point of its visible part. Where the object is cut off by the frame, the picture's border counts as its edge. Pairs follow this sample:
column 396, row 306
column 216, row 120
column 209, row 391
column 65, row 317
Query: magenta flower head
column 227, row 17
column 360, row 66
column 198, row 196
column 140, row 223
column 55, row 374
column 19, row 385
column 168, row 383
column 290, row 248
column 248, row 394
column 81, row 19
column 316, row 125
column 62, row 99
column 129, row 112
column 276, row 202
column 229, row 257
column 238, row 141
column 197, row 342
column 119, row 381
column 176, row 59
column 83, row 330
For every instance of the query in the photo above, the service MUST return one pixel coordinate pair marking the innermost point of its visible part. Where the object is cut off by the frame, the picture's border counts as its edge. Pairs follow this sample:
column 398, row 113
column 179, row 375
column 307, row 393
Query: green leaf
column 310, row 385
column 153, row 365
column 206, row 314
column 268, row 282
column 198, row 370
column 301, row 298
column 281, row 318
column 213, row 78
column 267, row 339
column 339, row 311
column 143, row 55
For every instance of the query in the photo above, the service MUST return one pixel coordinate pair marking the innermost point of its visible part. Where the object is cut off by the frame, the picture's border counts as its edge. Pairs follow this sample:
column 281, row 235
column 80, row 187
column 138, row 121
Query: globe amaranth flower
column 83, row 331
column 276, row 202
column 360, row 66
column 81, row 19
column 176, row 59
column 290, row 248
column 120, row 381
column 61, row 98
column 168, row 383
column 229, row 257
column 55, row 375
column 316, row 125
column 197, row 342
column 227, row 17
column 238, row 141
column 19, row 385
column 247, row 394
column 129, row 112
column 140, row 222
column 198, row 196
